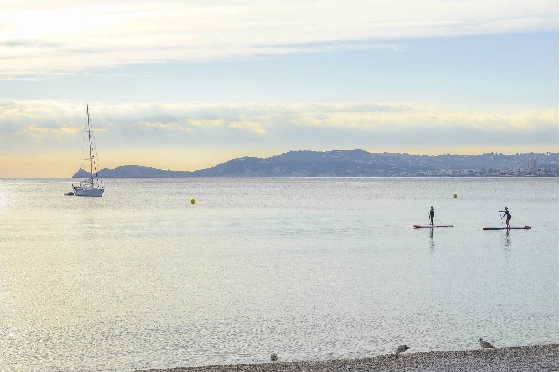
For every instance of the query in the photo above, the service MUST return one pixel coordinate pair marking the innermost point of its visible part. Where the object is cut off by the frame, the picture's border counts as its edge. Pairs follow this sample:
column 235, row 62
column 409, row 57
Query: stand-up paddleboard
column 505, row 228
column 429, row 226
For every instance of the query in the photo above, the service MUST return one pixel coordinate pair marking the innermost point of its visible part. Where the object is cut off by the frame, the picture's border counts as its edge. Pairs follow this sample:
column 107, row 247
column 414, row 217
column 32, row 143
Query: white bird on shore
column 485, row 344
column 273, row 357
column 401, row 349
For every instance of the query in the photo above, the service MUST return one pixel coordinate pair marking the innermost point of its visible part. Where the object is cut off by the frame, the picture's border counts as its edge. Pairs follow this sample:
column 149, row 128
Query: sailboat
column 89, row 187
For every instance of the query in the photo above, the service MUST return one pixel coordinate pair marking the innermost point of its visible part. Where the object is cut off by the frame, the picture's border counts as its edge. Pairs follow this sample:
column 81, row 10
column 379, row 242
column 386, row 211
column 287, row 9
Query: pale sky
column 184, row 85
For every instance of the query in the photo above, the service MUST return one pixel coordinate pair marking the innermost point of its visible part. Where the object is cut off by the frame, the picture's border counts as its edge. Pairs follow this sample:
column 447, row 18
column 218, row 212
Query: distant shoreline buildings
column 532, row 170
column 489, row 172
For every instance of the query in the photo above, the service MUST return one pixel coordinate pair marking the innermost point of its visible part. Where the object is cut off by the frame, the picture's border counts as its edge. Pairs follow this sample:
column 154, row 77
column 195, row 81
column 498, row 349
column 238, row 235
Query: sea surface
column 308, row 268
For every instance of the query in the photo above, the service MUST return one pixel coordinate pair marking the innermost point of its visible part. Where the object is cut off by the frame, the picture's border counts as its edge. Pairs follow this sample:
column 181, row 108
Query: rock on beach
column 523, row 358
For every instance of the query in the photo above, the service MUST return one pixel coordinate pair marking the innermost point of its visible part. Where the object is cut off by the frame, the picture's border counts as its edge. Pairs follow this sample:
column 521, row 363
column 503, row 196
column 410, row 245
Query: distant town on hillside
column 358, row 163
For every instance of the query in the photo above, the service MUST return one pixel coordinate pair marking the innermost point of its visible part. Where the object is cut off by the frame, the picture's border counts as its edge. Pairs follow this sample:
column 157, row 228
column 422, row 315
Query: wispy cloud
column 251, row 126
column 299, row 126
column 38, row 38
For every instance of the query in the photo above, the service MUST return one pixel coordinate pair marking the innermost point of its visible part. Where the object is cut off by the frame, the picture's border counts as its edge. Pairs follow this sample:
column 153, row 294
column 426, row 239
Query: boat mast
column 89, row 142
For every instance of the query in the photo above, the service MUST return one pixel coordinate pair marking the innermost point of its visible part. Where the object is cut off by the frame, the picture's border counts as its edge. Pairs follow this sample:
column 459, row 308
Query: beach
column 523, row 358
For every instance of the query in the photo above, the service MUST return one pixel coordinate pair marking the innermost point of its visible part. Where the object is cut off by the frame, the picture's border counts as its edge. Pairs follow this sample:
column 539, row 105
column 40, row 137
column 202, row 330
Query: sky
column 185, row 85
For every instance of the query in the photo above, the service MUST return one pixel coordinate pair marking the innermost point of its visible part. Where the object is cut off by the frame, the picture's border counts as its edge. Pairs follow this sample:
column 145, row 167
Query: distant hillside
column 134, row 171
column 344, row 163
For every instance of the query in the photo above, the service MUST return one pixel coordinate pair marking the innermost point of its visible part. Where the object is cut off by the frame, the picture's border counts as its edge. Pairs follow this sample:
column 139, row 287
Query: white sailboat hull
column 89, row 192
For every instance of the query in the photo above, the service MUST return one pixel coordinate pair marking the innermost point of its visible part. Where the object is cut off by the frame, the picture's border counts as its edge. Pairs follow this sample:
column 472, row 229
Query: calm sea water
column 306, row 268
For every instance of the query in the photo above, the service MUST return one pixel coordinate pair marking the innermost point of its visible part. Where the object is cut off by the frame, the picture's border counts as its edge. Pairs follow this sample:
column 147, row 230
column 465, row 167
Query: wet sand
column 523, row 358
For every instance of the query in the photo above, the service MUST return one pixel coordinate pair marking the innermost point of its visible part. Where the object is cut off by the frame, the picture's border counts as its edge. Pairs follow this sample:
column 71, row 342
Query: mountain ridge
column 344, row 163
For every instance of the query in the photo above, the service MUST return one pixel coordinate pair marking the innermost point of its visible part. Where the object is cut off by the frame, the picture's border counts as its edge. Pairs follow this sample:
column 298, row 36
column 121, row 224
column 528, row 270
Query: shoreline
column 518, row 358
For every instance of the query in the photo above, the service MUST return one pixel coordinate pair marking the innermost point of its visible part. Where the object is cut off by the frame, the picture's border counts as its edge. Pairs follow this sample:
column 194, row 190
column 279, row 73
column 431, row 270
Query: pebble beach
column 523, row 358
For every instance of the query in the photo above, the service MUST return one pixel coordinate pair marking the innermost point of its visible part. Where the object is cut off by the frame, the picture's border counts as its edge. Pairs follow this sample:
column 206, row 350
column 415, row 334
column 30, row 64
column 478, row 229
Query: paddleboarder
column 431, row 216
column 507, row 216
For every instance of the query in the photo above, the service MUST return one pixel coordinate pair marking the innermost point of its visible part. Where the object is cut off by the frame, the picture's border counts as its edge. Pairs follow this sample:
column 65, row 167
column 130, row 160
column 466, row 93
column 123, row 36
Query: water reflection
column 507, row 241
column 432, row 243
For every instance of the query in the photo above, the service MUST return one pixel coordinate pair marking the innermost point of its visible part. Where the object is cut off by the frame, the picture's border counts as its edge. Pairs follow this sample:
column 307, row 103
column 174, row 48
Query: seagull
column 273, row 357
column 485, row 344
column 401, row 349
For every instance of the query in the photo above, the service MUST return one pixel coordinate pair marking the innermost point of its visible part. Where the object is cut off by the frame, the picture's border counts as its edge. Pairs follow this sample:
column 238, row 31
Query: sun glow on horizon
column 62, row 165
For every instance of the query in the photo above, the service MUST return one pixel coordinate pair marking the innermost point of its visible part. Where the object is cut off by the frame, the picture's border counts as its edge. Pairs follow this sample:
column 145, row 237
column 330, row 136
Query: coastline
column 519, row 358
